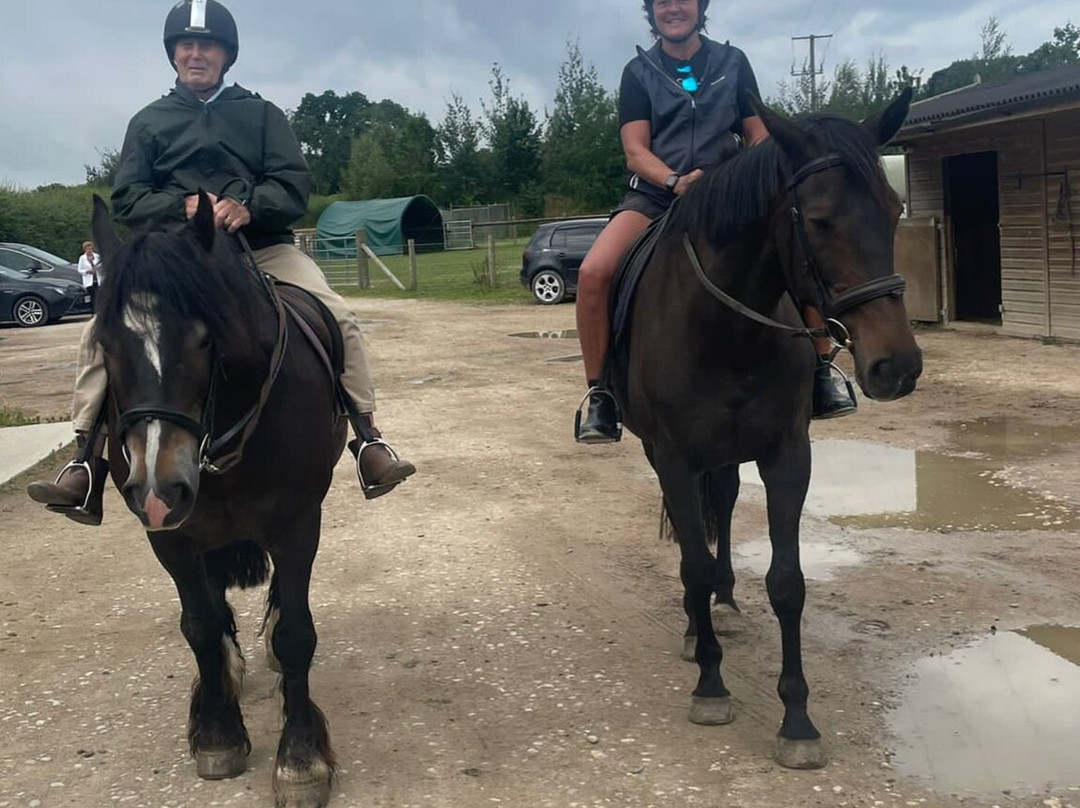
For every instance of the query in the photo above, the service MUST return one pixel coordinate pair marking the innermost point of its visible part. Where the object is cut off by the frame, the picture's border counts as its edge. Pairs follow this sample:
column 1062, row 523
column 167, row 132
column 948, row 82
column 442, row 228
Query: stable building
column 993, row 177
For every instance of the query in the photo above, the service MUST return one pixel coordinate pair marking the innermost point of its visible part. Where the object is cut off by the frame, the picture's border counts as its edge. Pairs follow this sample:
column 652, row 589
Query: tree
column 513, row 136
column 102, row 175
column 851, row 92
column 1061, row 51
column 457, row 153
column 326, row 125
column 582, row 155
column 395, row 155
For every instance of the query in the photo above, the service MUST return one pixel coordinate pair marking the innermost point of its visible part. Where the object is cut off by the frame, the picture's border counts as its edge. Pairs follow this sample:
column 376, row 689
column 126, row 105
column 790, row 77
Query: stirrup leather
column 372, row 490
column 581, row 406
column 80, row 513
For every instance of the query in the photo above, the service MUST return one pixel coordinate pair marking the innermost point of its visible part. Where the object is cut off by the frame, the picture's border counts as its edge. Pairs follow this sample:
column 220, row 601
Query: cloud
column 72, row 73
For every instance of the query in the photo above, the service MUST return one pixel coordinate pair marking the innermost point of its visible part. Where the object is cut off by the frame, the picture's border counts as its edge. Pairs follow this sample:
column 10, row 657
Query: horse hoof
column 689, row 648
column 806, row 753
column 710, row 711
column 728, row 621
column 220, row 764
column 302, row 788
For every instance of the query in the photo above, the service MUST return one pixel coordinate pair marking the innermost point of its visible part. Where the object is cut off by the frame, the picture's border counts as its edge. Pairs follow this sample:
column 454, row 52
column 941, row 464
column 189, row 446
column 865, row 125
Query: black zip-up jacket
column 691, row 130
column 238, row 145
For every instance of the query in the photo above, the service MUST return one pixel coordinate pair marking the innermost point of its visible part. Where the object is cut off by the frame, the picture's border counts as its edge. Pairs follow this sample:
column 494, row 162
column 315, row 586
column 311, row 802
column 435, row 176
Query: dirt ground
column 504, row 629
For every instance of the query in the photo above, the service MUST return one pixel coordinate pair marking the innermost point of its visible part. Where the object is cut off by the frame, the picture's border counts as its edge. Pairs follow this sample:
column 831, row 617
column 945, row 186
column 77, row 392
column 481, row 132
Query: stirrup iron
column 582, row 405
column 372, row 490
column 82, row 514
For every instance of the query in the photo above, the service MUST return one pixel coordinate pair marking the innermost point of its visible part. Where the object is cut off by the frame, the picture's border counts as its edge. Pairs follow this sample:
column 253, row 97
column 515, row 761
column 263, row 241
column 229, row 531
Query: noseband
column 831, row 306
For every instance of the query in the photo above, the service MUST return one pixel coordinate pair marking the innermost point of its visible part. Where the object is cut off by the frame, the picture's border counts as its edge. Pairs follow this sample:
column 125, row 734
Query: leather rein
column 212, row 457
column 832, row 306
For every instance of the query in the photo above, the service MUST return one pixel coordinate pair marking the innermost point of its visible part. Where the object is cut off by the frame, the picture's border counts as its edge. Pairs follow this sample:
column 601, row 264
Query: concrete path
column 23, row 446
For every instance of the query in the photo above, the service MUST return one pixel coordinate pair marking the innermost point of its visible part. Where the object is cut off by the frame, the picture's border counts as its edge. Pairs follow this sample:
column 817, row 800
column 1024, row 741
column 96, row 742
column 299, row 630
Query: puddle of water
column 999, row 716
column 566, row 333
column 1010, row 438
column 819, row 561
column 865, row 485
column 568, row 359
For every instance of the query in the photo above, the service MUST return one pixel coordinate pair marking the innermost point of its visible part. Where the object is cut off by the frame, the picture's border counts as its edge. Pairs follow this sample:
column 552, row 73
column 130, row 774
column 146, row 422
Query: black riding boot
column 601, row 422
column 78, row 489
column 833, row 394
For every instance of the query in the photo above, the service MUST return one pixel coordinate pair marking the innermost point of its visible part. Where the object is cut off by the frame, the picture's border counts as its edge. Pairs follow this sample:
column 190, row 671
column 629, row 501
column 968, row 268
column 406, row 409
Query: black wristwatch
column 672, row 181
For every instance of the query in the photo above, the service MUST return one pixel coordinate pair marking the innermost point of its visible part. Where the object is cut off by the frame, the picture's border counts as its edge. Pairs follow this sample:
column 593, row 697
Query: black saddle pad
column 624, row 284
column 316, row 323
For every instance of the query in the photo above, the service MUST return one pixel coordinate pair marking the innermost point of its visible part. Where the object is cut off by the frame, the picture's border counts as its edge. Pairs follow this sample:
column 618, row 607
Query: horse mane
column 731, row 197
column 167, row 262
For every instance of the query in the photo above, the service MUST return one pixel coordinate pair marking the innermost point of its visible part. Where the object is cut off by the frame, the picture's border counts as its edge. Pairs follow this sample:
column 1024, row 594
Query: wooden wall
column 1024, row 223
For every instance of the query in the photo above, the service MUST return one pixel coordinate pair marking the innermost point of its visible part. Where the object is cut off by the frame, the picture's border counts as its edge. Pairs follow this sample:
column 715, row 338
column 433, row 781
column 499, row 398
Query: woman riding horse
column 682, row 109
column 240, row 149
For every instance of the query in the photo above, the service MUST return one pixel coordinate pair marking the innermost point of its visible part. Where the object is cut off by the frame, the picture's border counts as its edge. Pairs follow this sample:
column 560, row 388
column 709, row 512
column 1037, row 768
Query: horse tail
column 715, row 507
column 273, row 606
column 243, row 563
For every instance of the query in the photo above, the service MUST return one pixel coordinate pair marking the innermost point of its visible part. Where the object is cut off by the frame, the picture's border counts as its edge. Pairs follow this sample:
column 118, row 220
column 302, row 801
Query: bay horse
column 223, row 433
column 713, row 372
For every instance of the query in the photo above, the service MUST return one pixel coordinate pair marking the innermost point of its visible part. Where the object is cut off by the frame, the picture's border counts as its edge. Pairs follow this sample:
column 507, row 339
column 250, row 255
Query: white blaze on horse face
column 140, row 316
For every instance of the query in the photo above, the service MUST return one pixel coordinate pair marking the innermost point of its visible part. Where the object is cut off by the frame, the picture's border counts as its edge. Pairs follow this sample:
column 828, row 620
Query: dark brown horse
column 806, row 217
column 224, row 432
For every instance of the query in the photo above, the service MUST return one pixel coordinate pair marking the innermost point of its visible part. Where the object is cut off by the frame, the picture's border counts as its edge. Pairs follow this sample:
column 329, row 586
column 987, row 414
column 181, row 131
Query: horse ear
column 203, row 223
column 101, row 226
column 886, row 123
column 786, row 134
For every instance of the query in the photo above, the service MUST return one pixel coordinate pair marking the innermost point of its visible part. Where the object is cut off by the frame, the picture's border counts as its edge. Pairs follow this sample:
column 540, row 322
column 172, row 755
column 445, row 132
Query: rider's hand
column 230, row 214
column 686, row 180
column 191, row 203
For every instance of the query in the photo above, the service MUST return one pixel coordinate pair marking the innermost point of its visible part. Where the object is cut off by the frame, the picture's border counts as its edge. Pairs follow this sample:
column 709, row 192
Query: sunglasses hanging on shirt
column 686, row 79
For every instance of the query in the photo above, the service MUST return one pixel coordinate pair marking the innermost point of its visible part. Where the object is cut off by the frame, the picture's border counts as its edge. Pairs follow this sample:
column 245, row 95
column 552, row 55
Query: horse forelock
column 163, row 275
column 728, row 199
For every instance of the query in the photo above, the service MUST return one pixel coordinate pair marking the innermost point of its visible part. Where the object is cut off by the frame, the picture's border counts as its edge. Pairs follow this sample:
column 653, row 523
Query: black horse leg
column 305, row 763
column 711, row 703
column 786, row 475
column 720, row 490
column 216, row 734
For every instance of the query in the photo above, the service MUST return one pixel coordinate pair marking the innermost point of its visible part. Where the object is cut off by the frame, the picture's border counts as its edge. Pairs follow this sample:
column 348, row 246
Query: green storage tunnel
column 387, row 223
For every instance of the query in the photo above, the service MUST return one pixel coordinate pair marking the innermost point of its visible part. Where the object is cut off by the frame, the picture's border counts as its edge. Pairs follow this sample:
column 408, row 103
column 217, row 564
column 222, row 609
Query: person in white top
column 90, row 268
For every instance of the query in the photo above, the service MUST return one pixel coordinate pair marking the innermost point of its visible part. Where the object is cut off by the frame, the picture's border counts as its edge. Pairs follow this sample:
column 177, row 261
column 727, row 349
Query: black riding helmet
column 207, row 19
column 648, row 5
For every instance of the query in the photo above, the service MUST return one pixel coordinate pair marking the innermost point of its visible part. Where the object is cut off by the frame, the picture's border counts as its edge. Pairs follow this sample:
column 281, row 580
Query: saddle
column 624, row 286
column 317, row 324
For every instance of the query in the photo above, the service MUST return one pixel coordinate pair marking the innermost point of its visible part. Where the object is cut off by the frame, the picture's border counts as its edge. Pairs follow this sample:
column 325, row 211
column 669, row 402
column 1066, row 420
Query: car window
column 16, row 260
column 578, row 237
column 11, row 274
column 47, row 258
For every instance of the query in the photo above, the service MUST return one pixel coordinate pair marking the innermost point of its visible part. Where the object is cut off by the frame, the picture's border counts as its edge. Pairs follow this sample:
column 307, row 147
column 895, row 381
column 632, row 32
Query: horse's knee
column 294, row 644
column 787, row 590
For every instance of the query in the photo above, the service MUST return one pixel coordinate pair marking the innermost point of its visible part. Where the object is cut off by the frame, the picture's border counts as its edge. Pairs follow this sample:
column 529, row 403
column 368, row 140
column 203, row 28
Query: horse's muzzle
column 892, row 377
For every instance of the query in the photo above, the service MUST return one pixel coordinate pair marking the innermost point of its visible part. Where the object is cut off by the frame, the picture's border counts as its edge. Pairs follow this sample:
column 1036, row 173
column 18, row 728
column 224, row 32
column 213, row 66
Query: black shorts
column 637, row 201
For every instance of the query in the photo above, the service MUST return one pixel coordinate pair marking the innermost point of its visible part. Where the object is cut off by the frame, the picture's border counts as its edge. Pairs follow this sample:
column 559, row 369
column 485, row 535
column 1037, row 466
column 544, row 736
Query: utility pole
column 813, row 72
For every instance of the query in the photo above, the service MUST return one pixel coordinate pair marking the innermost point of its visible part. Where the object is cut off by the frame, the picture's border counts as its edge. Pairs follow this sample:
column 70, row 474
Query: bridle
column 212, row 458
column 831, row 306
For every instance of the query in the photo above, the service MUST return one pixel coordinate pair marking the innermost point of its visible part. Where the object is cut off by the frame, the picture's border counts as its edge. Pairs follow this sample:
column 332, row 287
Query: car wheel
column 30, row 311
column 548, row 287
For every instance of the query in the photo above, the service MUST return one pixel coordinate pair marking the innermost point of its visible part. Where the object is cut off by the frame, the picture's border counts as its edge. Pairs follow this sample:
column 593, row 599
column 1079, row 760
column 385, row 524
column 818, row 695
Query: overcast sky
column 72, row 72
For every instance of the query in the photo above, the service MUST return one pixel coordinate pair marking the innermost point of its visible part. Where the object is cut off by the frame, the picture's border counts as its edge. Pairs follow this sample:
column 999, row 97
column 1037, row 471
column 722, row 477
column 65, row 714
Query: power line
column 813, row 72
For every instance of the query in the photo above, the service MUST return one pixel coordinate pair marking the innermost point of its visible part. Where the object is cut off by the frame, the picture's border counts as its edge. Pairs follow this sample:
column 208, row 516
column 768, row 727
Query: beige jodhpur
column 282, row 261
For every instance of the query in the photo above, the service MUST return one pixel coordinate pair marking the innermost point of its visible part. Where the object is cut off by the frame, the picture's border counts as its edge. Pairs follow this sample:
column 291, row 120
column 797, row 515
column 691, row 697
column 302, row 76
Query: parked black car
column 32, row 261
column 38, row 300
column 550, row 263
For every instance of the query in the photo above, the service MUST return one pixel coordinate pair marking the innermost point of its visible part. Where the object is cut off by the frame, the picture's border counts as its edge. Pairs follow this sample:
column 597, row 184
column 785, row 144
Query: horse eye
column 819, row 225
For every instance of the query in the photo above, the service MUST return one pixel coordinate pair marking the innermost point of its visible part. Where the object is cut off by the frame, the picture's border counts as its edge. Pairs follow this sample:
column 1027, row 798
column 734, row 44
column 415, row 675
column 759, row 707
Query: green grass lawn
column 444, row 275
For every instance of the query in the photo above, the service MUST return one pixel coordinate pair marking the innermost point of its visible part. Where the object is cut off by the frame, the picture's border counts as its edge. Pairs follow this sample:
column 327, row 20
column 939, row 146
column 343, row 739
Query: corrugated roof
column 1034, row 89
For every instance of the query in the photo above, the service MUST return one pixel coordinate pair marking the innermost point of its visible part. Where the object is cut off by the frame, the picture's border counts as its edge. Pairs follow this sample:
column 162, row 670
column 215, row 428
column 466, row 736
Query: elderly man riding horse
column 239, row 148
